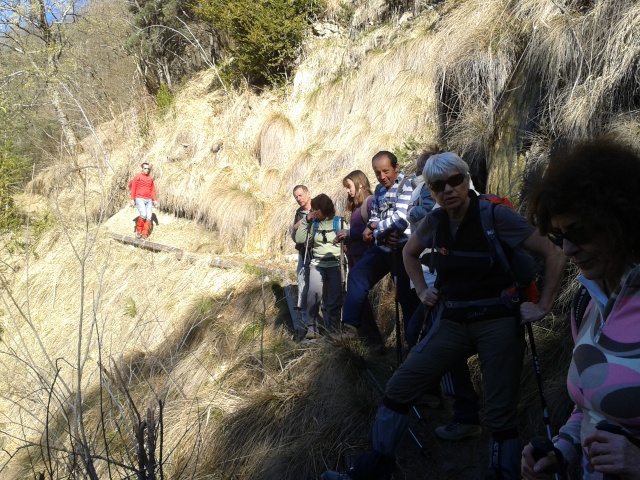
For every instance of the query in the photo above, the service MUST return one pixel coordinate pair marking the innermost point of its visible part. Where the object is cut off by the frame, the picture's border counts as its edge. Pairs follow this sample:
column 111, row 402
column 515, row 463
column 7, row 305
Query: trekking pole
column 536, row 364
column 394, row 254
column 301, row 300
column 425, row 327
column 378, row 387
column 306, row 244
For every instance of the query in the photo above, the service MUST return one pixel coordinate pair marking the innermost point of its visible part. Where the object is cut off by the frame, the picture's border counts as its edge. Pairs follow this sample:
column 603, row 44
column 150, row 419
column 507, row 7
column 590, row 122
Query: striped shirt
column 389, row 208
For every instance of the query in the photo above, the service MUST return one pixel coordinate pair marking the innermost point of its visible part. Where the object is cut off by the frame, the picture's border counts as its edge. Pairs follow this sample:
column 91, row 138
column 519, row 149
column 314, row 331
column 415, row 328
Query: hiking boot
column 346, row 332
column 458, row 431
column 299, row 334
column 139, row 225
column 146, row 227
column 331, row 475
column 312, row 333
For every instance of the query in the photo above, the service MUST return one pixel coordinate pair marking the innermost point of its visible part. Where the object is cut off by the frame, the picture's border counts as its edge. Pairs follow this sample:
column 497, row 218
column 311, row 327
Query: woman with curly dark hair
column 588, row 203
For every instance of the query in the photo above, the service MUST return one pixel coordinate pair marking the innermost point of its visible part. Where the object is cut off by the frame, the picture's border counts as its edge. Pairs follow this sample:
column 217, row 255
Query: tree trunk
column 67, row 132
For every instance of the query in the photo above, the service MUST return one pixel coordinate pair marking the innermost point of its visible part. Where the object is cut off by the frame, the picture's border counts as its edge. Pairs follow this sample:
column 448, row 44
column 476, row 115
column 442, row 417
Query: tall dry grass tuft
column 301, row 420
column 231, row 211
column 477, row 61
column 585, row 58
column 274, row 142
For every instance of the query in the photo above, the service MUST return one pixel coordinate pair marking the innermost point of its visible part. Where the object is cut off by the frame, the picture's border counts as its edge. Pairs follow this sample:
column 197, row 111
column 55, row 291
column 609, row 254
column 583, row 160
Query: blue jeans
column 375, row 264
column 144, row 206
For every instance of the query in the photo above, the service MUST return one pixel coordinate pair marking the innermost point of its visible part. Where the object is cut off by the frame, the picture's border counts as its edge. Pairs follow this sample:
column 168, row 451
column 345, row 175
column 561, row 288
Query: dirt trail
column 190, row 241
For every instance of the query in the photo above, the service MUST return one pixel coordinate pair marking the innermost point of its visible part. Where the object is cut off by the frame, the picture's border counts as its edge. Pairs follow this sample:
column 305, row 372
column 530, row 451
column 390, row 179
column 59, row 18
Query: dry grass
column 585, row 58
column 275, row 141
column 181, row 354
column 231, row 210
column 298, row 417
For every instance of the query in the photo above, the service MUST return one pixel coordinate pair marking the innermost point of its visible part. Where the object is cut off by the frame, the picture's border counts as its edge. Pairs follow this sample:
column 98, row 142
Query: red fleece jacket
column 142, row 186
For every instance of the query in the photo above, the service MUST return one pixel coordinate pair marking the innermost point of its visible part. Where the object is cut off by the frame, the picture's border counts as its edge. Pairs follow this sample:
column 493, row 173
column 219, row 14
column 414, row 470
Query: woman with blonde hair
column 359, row 198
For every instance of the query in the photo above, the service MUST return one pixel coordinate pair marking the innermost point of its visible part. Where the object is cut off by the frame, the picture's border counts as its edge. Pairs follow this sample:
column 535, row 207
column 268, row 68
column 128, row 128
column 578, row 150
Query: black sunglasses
column 454, row 181
column 577, row 236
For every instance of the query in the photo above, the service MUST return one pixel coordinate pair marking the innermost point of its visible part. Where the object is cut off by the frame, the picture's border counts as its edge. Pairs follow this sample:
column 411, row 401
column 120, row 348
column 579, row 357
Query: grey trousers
column 500, row 346
column 302, row 273
column 324, row 287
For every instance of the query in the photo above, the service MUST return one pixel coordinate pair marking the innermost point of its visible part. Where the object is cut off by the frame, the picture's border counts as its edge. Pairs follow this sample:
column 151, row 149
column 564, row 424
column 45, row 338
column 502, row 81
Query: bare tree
column 37, row 30
column 166, row 42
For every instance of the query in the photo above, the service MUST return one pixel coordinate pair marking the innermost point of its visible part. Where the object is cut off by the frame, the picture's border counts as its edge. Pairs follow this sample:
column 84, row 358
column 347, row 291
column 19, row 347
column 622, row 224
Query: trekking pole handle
column 541, row 447
column 618, row 430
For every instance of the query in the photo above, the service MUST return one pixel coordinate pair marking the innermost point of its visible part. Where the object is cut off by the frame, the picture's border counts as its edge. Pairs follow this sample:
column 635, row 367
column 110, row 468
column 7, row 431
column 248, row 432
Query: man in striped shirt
column 389, row 228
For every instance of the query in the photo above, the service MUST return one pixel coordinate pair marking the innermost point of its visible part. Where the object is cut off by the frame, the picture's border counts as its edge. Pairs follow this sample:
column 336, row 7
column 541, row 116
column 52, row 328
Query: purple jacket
column 355, row 246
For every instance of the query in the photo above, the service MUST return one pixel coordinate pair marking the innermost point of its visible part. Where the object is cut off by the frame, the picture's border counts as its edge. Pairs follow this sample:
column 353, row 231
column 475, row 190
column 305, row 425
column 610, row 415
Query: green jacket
column 323, row 252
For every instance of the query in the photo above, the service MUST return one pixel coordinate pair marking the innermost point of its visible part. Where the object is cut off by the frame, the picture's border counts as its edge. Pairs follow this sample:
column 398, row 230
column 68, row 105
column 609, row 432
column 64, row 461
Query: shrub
column 263, row 37
column 130, row 307
column 164, row 99
column 13, row 171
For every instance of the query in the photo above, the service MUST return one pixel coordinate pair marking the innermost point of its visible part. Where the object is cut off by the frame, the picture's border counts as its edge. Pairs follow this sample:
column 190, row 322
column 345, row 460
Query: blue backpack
column 316, row 229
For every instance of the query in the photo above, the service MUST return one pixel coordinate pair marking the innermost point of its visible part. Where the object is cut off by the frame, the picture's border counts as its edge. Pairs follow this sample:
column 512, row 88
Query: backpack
column 519, row 267
column 364, row 210
column 579, row 304
column 315, row 229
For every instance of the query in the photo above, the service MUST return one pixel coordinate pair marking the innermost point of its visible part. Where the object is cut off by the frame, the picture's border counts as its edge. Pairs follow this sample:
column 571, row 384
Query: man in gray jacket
column 303, row 197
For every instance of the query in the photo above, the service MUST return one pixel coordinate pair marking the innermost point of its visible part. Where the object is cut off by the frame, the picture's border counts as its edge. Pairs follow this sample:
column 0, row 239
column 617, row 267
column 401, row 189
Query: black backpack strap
column 487, row 218
column 579, row 304
column 435, row 217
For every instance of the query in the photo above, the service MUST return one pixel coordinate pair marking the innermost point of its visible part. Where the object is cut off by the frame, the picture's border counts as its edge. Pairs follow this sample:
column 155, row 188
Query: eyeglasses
column 577, row 236
column 454, row 181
